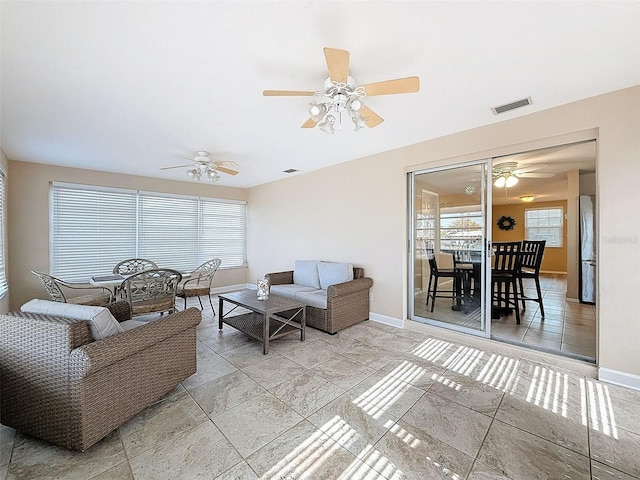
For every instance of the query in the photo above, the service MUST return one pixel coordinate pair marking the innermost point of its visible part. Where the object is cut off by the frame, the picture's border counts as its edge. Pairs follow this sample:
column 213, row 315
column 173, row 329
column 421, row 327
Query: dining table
column 112, row 281
column 472, row 287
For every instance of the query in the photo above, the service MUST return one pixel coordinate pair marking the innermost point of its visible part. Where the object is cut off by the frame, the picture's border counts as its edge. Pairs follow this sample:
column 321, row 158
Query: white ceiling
column 131, row 87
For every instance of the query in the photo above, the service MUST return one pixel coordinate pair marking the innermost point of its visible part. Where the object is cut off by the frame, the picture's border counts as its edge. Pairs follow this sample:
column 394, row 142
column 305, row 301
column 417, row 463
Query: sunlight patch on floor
column 306, row 458
column 467, row 360
column 601, row 409
column 549, row 389
column 433, row 349
column 387, row 391
column 499, row 372
column 414, row 442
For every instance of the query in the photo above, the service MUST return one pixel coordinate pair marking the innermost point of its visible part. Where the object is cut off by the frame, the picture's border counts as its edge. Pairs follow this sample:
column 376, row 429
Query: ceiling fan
column 506, row 174
column 341, row 95
column 204, row 166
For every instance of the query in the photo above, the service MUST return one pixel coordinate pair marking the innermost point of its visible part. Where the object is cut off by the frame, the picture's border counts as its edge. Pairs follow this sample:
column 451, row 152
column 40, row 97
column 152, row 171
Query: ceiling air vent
column 290, row 170
column 511, row 106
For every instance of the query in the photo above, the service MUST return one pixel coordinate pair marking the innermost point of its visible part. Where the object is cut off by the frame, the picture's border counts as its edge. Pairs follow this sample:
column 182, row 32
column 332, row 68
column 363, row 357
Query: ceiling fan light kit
column 209, row 172
column 341, row 96
column 506, row 180
column 338, row 99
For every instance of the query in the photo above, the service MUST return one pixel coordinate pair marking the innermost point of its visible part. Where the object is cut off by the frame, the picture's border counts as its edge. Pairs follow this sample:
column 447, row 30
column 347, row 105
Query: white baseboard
column 232, row 288
column 617, row 377
column 392, row 321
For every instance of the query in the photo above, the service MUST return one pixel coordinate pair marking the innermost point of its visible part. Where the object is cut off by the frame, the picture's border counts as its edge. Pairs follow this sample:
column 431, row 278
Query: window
column 93, row 228
column 3, row 231
column 461, row 228
column 544, row 224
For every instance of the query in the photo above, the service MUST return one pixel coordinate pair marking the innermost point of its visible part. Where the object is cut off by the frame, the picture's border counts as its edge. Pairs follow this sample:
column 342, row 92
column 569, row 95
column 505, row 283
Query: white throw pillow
column 331, row 273
column 101, row 323
column 305, row 272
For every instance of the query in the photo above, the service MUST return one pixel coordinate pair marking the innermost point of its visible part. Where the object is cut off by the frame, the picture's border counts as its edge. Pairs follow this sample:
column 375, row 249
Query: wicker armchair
column 134, row 265
column 199, row 283
column 60, row 385
column 55, row 288
column 152, row 291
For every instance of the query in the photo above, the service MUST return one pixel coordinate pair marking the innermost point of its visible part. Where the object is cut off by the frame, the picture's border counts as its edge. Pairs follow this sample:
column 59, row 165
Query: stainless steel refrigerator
column 587, row 249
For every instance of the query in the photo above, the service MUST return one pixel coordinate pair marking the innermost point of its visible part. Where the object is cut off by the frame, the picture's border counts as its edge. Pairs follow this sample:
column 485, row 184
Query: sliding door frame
column 486, row 183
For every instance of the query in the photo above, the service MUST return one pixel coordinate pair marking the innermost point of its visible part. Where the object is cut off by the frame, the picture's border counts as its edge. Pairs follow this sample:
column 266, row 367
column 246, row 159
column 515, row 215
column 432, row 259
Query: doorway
column 453, row 211
column 449, row 222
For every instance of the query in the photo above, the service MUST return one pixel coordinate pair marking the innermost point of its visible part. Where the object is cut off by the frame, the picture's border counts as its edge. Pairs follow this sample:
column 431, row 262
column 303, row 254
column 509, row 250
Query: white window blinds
column 223, row 227
column 95, row 228
column 169, row 230
column 3, row 233
column 92, row 229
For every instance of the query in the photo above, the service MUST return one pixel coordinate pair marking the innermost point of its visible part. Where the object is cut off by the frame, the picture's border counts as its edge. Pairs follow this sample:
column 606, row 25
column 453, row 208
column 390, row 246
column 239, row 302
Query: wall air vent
column 511, row 106
column 290, row 170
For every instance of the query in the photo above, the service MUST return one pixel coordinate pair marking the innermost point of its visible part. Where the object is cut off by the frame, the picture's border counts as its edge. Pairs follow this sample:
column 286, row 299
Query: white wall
column 357, row 211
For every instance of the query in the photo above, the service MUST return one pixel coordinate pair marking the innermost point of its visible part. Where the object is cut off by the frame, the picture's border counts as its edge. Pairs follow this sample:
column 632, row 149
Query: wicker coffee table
column 267, row 320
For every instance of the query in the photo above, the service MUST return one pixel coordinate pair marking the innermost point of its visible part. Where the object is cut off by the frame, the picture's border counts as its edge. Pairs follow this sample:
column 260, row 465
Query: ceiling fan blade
column 287, row 93
column 371, row 117
column 530, row 168
column 177, row 166
column 535, row 175
column 337, row 64
column 225, row 163
column 226, row 170
column 310, row 123
column 399, row 85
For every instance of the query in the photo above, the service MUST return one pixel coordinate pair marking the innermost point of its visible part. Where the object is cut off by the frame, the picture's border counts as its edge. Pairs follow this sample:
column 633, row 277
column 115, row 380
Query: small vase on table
column 263, row 289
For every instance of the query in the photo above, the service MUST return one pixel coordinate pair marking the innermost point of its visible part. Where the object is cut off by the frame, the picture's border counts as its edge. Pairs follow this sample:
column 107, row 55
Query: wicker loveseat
column 336, row 294
column 61, row 385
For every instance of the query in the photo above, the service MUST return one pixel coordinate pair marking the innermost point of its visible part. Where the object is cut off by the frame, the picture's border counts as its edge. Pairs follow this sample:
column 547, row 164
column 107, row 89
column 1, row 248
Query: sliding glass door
column 449, row 241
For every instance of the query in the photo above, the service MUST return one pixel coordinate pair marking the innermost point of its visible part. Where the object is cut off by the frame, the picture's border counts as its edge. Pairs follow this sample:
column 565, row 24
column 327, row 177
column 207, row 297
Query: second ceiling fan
column 341, row 95
column 506, row 174
column 203, row 166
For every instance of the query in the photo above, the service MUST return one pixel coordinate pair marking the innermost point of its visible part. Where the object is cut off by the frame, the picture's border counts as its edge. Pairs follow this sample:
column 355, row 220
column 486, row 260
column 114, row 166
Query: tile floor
column 569, row 328
column 372, row 402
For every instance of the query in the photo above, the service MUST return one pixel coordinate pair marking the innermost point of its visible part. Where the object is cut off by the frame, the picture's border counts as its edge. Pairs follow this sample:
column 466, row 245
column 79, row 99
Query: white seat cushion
column 101, row 323
column 317, row 298
column 129, row 324
column 289, row 290
column 331, row 273
column 305, row 272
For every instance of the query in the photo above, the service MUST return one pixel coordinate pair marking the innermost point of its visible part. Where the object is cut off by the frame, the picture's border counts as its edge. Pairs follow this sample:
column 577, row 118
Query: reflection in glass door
column 448, row 247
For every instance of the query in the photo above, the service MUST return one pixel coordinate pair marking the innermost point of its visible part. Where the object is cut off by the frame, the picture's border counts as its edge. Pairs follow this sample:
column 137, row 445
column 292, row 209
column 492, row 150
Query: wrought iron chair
column 54, row 287
column 504, row 276
column 152, row 291
column 134, row 265
column 199, row 283
column 129, row 267
column 531, row 255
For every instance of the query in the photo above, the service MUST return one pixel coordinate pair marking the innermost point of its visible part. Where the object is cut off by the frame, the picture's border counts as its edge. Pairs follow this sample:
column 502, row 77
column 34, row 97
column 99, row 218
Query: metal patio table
column 267, row 319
